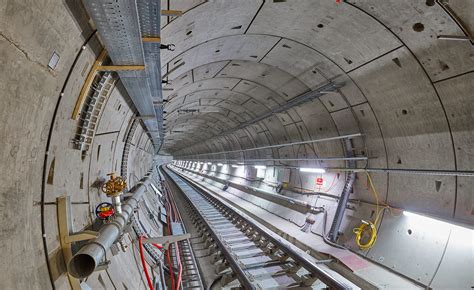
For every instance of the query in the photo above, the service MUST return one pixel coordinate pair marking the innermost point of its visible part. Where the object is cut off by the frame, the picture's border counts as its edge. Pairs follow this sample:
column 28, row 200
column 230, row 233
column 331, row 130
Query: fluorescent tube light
column 260, row 166
column 313, row 170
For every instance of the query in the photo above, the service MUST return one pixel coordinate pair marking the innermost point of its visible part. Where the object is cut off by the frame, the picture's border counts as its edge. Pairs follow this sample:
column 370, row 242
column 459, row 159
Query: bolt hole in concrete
column 418, row 27
column 430, row 2
column 409, row 231
column 189, row 32
column 217, row 51
column 397, row 62
column 404, row 112
column 237, row 27
column 320, row 25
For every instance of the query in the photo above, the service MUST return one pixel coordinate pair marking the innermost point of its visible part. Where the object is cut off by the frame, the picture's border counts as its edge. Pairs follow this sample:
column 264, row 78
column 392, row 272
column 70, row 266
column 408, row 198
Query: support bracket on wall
column 67, row 236
column 87, row 84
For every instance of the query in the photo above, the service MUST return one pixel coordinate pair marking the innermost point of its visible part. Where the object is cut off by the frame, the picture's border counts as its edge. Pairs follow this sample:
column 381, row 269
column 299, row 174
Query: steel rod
column 287, row 159
column 279, row 145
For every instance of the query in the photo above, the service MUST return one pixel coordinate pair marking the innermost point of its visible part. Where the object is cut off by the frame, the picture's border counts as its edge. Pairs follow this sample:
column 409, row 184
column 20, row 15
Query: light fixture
column 260, row 166
column 209, row 163
column 313, row 170
column 219, row 164
column 235, row 166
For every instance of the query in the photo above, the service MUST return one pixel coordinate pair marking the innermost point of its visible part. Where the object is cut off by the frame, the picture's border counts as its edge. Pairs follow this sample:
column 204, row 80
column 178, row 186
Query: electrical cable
column 145, row 269
column 370, row 226
column 217, row 279
column 325, row 238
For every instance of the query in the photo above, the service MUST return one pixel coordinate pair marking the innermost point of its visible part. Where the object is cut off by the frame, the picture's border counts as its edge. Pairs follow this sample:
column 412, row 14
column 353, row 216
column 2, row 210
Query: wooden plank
column 120, row 67
column 171, row 12
column 87, row 84
column 64, row 226
column 151, row 39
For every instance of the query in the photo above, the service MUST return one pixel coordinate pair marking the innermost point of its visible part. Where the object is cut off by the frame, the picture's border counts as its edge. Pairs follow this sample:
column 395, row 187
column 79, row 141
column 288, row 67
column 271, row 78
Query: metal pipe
column 84, row 262
column 342, row 204
column 433, row 172
column 279, row 145
column 359, row 158
column 117, row 204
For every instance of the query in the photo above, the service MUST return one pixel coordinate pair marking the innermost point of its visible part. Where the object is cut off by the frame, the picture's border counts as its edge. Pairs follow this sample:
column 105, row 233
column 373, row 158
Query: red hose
column 168, row 253
column 140, row 242
column 178, row 283
column 173, row 216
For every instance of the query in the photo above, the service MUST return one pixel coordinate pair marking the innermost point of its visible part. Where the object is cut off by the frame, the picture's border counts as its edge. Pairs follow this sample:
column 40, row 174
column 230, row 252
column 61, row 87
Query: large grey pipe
column 84, row 262
column 341, row 205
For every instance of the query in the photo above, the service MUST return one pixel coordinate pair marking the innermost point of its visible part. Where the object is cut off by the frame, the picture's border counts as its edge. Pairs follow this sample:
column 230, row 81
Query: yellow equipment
column 114, row 186
column 369, row 226
column 365, row 226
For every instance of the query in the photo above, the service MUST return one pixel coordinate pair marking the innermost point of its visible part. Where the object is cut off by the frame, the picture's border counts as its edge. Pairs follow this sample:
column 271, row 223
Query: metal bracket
column 67, row 236
column 166, row 240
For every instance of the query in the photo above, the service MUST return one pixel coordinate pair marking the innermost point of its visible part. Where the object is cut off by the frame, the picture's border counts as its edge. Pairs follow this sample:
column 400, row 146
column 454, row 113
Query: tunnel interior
column 318, row 119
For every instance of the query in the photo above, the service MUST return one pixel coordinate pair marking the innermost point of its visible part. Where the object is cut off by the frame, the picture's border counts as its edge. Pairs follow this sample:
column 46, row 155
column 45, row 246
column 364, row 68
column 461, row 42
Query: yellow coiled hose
column 358, row 232
column 368, row 226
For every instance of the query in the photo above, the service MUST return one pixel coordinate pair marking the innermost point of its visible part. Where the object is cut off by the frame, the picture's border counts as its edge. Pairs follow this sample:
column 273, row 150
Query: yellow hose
column 368, row 226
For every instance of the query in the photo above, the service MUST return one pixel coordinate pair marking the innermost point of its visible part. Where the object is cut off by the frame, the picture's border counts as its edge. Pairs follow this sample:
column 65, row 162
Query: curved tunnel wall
column 399, row 84
column 407, row 91
column 39, row 162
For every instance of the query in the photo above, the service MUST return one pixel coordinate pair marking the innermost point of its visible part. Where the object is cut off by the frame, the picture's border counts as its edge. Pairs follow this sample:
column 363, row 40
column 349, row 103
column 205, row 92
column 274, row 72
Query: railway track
column 246, row 254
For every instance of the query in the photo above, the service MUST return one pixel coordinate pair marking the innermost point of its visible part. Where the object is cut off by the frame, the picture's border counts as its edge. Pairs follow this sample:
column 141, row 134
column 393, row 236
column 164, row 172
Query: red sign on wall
column 319, row 181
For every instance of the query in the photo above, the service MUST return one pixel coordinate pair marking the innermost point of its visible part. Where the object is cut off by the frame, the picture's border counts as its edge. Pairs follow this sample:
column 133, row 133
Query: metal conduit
column 286, row 159
column 84, row 262
column 278, row 145
column 342, row 204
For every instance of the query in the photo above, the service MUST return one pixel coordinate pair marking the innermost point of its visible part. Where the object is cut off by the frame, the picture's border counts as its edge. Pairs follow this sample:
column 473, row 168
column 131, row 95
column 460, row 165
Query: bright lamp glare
column 430, row 223
column 260, row 166
column 235, row 166
column 219, row 164
column 209, row 163
column 313, row 170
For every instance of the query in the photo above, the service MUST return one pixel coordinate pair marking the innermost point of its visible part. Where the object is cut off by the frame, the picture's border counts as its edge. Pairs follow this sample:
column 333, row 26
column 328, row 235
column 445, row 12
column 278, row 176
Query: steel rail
column 315, row 269
column 244, row 280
